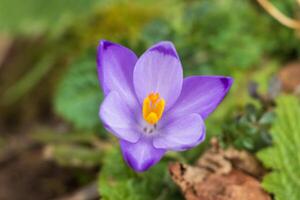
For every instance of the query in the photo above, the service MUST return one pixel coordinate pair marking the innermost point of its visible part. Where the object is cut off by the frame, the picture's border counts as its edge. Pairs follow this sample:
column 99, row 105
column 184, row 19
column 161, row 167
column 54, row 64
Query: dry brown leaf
column 220, row 175
column 289, row 77
column 245, row 162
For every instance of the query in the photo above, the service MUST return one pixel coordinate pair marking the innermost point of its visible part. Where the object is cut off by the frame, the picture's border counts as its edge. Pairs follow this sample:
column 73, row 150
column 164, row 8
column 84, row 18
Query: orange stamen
column 153, row 108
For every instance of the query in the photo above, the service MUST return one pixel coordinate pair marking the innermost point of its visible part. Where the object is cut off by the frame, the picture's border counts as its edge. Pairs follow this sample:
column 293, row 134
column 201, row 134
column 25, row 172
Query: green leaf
column 283, row 157
column 118, row 182
column 74, row 155
column 79, row 96
column 267, row 118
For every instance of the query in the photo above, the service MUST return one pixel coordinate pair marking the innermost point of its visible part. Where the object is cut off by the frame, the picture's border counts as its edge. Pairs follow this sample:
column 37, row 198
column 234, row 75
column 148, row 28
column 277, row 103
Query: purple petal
column 119, row 118
column 142, row 155
column 115, row 70
column 159, row 70
column 201, row 94
column 180, row 133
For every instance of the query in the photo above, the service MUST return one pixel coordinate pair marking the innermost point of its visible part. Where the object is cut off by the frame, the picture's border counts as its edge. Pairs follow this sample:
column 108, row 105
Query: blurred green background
column 50, row 96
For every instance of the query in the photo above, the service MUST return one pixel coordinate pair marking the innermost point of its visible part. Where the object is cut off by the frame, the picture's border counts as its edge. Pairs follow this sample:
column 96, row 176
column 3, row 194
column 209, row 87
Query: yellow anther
column 152, row 118
column 153, row 97
column 153, row 108
column 159, row 109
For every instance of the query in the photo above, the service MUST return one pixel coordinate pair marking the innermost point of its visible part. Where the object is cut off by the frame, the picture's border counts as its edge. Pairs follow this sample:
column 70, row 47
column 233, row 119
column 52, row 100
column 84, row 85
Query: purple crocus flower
column 148, row 104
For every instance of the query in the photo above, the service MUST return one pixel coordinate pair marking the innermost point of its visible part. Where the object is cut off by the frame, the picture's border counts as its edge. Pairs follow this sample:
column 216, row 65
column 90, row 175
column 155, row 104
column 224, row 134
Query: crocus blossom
column 148, row 104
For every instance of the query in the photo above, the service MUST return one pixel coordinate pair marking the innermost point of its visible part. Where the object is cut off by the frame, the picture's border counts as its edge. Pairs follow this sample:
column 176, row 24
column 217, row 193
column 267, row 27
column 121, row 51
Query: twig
column 279, row 16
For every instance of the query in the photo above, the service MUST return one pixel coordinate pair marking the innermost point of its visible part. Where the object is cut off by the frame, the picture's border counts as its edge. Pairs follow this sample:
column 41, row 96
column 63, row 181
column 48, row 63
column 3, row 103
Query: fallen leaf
column 220, row 175
column 289, row 77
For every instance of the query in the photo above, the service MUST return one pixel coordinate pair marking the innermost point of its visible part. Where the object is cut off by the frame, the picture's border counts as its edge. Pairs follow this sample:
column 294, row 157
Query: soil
column 28, row 176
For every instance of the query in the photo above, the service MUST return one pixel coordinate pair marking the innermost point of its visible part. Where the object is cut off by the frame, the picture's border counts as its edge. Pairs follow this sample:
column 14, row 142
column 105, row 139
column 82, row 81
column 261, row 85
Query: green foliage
column 217, row 35
column 248, row 130
column 79, row 95
column 223, row 37
column 73, row 149
column 34, row 16
column 283, row 157
column 288, row 7
column 74, row 155
column 282, row 42
column 245, row 120
column 118, row 182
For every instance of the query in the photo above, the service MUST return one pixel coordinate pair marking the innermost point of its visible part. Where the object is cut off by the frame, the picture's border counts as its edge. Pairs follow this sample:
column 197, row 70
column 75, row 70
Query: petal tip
column 227, row 82
column 140, row 156
column 104, row 44
column 135, row 166
column 165, row 47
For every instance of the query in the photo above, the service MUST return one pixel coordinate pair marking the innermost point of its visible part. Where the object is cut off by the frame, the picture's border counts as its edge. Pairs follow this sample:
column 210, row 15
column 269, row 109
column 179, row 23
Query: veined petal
column 201, row 94
column 141, row 155
column 115, row 70
column 118, row 118
column 159, row 70
column 180, row 133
